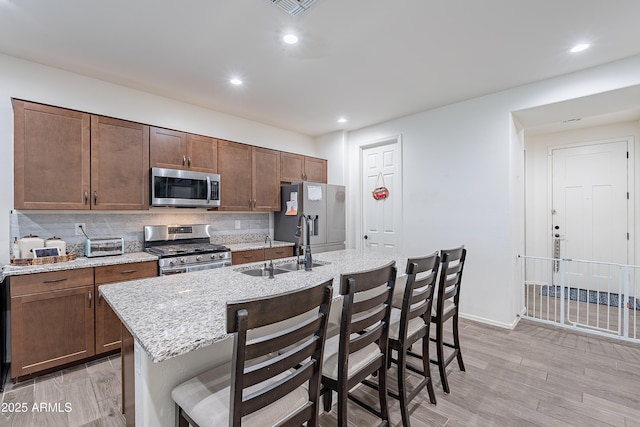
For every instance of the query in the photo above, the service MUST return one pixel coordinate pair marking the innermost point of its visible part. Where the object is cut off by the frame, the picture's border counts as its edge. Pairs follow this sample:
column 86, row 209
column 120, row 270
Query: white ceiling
column 367, row 60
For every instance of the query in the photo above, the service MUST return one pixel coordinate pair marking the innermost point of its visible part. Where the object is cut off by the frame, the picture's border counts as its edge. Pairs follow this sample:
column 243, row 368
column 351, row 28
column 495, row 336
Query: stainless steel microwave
column 182, row 188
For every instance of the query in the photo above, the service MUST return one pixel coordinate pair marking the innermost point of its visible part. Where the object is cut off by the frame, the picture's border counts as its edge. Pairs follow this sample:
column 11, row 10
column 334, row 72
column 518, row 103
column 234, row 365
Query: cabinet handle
column 254, row 203
column 250, row 203
column 89, row 298
column 189, row 161
column 279, row 252
column 55, row 280
column 247, row 256
column 86, row 197
column 128, row 271
column 100, row 299
column 95, row 197
column 184, row 160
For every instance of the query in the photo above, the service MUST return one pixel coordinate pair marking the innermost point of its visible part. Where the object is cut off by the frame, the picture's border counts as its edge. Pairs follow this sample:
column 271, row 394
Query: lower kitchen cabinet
column 244, row 257
column 108, row 325
column 53, row 325
column 255, row 255
column 59, row 318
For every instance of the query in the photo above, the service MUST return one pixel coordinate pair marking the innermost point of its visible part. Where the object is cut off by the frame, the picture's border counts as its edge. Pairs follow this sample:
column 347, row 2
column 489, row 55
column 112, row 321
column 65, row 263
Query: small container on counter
column 15, row 248
column 27, row 244
column 56, row 242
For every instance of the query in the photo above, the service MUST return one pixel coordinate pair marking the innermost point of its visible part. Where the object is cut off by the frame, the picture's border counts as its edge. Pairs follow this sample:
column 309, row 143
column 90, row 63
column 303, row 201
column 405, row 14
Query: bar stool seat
column 207, row 397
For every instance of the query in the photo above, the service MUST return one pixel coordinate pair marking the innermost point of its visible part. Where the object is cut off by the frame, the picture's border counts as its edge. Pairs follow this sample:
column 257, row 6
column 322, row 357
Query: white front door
column 589, row 205
column 382, row 219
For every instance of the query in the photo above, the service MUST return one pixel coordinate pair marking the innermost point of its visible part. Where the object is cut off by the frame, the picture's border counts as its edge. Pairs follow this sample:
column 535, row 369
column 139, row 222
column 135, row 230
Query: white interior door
column 589, row 206
column 382, row 219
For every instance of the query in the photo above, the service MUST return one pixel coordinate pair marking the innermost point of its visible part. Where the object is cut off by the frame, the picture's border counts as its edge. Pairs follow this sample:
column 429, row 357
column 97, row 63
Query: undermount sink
column 294, row 266
column 278, row 269
column 263, row 272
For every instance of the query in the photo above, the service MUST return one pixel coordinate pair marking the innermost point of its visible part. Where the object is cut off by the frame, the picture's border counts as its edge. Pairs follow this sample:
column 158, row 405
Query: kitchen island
column 177, row 323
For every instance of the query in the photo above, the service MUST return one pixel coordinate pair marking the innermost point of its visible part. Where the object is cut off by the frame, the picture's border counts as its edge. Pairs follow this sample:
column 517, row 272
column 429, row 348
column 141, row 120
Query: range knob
column 213, row 256
column 172, row 262
column 199, row 258
column 183, row 260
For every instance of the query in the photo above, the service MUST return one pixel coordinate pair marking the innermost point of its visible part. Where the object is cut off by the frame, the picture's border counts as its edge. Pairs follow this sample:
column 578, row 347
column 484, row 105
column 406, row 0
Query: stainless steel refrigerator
column 324, row 204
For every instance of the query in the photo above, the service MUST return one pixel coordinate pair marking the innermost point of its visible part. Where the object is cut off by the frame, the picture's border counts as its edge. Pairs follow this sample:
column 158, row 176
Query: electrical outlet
column 79, row 227
column 237, row 224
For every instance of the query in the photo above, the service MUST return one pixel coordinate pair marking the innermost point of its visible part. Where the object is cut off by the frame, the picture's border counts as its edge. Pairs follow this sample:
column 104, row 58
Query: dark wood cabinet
column 179, row 150
column 119, row 164
column 59, row 317
column 52, row 320
column 234, row 166
column 255, row 255
column 51, row 157
column 315, row 169
column 249, row 177
column 108, row 325
column 265, row 179
column 296, row 168
column 66, row 159
column 244, row 257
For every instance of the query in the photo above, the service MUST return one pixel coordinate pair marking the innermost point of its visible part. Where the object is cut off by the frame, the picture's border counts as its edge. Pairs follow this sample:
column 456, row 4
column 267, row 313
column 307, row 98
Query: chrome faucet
column 270, row 267
column 308, row 262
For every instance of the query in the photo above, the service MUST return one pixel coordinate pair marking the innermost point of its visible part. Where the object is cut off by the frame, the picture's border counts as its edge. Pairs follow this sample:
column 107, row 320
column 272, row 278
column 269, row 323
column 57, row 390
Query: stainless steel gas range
column 184, row 248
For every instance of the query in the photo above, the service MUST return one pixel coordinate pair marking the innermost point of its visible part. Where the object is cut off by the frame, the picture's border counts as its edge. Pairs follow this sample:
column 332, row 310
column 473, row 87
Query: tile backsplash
column 253, row 226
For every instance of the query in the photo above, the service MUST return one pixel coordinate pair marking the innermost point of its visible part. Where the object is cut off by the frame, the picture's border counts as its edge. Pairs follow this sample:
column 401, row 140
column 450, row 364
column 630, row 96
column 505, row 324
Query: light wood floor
column 534, row 375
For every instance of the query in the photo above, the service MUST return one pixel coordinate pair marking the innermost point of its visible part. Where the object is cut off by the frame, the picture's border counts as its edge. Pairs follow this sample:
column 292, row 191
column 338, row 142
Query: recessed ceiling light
column 290, row 39
column 580, row 47
column 235, row 81
column 342, row 120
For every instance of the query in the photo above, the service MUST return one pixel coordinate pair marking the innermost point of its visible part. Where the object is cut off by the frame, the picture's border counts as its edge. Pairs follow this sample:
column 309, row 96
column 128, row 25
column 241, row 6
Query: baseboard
column 490, row 322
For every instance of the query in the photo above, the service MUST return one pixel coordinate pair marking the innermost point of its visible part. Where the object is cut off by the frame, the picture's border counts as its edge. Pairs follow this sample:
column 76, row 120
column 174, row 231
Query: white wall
column 35, row 82
column 538, row 232
column 463, row 180
column 333, row 145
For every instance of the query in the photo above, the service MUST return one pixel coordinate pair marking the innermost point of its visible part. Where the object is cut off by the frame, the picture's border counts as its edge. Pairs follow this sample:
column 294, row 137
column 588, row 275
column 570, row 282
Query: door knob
column 366, row 237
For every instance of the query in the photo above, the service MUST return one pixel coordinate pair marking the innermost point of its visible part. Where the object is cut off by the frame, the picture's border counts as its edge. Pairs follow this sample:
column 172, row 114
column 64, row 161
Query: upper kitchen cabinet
column 180, row 150
column 265, row 177
column 51, row 157
column 119, row 164
column 249, row 177
column 296, row 168
column 67, row 159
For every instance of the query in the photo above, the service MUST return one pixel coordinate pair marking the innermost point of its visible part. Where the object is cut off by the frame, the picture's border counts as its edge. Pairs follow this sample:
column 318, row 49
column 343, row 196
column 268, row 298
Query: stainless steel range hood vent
column 293, row 7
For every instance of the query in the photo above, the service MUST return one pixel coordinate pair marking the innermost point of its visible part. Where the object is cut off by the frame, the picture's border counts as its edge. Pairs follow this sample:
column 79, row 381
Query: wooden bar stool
column 273, row 379
column 360, row 349
column 409, row 324
column 446, row 307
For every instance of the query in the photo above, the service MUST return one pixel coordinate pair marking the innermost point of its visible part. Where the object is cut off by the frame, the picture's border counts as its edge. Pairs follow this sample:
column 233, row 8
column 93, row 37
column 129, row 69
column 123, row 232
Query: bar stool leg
column 426, row 366
column 402, row 387
column 441, row 360
column 456, row 342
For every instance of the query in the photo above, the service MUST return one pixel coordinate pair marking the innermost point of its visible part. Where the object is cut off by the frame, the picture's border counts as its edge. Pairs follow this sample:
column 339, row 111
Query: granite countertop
column 173, row 315
column 248, row 246
column 80, row 262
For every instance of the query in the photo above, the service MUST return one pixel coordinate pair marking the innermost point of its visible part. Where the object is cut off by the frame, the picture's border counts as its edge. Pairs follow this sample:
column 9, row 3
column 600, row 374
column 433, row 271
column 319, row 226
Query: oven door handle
column 208, row 190
column 173, row 271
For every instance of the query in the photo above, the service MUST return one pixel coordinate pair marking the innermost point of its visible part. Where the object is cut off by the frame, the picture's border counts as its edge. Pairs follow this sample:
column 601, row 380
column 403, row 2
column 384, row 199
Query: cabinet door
column 315, row 170
column 51, row 157
column 119, row 164
column 234, row 167
column 50, row 329
column 108, row 325
column 168, row 148
column 291, row 167
column 203, row 153
column 244, row 257
column 265, row 175
column 282, row 252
